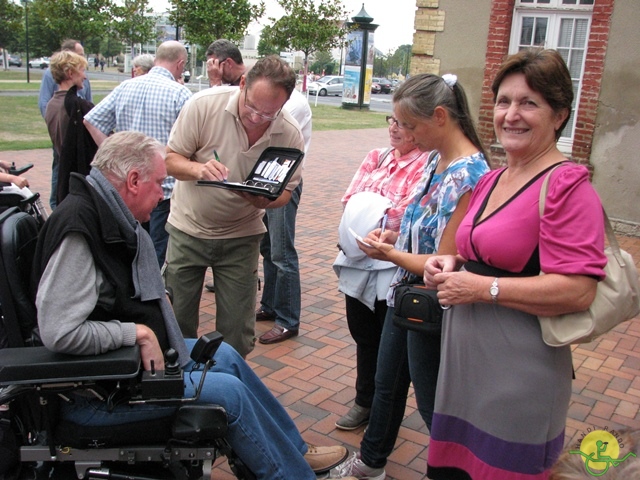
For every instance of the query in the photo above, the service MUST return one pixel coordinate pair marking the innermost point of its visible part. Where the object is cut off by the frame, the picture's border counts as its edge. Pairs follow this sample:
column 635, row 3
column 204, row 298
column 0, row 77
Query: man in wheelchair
column 99, row 289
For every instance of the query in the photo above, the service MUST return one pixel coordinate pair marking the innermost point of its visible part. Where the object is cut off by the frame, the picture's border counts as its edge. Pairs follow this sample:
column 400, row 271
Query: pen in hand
column 383, row 225
column 215, row 154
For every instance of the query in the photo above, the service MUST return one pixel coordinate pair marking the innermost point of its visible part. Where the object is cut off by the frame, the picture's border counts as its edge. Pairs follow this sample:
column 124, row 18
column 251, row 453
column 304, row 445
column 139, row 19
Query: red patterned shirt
column 393, row 178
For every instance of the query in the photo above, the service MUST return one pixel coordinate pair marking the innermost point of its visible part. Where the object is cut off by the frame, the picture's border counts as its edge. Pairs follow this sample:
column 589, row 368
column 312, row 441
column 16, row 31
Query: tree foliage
column 205, row 21
column 11, row 15
column 309, row 26
column 265, row 48
column 394, row 63
column 134, row 22
column 78, row 19
column 323, row 62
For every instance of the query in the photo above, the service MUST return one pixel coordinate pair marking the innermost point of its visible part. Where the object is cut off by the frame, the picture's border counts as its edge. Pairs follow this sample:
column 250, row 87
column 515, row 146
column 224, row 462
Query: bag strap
column 608, row 229
column 430, row 159
column 384, row 155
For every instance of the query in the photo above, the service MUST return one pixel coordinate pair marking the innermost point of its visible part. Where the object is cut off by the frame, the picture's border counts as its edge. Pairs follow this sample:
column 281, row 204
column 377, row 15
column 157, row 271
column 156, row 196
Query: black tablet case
column 269, row 176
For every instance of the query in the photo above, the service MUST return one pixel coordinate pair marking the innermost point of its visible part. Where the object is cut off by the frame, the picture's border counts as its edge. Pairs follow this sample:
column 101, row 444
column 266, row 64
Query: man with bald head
column 149, row 104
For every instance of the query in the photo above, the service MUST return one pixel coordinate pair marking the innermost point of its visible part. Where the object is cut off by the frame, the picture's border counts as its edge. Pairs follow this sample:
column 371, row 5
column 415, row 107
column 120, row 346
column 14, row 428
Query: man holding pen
column 220, row 228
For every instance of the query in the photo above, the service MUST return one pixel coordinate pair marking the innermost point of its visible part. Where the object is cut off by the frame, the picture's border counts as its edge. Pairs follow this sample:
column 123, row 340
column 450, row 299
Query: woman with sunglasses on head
column 379, row 191
column 434, row 111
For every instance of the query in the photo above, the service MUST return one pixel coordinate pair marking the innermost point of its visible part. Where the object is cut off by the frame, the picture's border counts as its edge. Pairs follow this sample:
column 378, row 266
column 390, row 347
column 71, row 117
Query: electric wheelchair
column 35, row 443
column 23, row 198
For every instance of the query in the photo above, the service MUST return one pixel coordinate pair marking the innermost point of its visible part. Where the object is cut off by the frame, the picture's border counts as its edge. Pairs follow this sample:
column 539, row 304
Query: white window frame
column 553, row 4
column 554, row 12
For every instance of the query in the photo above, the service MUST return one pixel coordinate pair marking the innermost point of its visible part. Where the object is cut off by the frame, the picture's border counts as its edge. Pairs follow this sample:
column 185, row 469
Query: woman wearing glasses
column 388, row 176
column 433, row 111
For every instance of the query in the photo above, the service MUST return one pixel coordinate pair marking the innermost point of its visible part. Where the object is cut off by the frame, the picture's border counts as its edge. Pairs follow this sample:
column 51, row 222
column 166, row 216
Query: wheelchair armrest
column 29, row 365
column 20, row 170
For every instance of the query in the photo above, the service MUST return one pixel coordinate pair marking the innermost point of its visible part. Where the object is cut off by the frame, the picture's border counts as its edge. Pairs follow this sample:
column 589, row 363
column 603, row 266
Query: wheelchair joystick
column 163, row 384
column 171, row 365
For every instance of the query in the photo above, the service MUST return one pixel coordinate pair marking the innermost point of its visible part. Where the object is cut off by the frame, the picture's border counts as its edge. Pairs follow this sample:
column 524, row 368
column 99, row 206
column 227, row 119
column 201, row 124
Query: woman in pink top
column 392, row 173
column 503, row 394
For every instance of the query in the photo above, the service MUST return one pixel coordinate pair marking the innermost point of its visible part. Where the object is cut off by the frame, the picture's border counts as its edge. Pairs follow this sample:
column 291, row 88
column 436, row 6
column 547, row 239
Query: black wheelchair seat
column 35, row 381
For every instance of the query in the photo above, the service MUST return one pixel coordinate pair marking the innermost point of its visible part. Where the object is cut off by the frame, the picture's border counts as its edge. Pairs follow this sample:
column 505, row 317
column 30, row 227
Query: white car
column 327, row 85
column 42, row 62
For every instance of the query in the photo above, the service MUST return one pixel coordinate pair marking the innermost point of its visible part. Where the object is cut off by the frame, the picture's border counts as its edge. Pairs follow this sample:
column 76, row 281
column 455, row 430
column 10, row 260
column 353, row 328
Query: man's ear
column 133, row 181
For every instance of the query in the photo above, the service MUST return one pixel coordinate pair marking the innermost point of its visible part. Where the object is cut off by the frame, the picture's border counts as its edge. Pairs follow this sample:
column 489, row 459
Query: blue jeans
column 281, row 292
column 260, row 430
column 424, row 364
column 400, row 353
column 159, row 235
column 53, row 196
column 390, row 398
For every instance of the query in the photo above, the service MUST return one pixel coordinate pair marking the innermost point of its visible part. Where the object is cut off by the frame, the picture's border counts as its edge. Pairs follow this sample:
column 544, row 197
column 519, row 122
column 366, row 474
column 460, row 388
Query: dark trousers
column 404, row 356
column 156, row 229
column 366, row 329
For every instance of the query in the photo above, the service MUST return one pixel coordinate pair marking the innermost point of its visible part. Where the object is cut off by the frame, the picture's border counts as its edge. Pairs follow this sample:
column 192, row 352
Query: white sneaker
column 353, row 467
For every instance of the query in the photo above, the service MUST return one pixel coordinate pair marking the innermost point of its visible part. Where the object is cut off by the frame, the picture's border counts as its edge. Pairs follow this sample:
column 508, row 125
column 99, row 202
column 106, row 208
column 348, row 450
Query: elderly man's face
column 149, row 192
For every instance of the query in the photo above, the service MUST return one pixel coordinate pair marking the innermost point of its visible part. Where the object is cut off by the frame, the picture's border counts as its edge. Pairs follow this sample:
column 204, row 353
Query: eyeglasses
column 269, row 118
column 391, row 120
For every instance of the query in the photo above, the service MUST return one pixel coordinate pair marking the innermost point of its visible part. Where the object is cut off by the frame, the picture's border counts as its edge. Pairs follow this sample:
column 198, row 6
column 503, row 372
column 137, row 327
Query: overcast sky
column 394, row 17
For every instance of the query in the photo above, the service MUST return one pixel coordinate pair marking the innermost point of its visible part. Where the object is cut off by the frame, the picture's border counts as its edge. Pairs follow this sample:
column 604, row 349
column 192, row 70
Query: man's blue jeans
column 397, row 350
column 281, row 292
column 260, row 430
column 157, row 232
column 53, row 196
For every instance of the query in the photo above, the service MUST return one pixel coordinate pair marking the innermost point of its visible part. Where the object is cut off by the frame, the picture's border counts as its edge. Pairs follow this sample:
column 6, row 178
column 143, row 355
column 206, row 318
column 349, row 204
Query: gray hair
column 144, row 61
column 124, row 151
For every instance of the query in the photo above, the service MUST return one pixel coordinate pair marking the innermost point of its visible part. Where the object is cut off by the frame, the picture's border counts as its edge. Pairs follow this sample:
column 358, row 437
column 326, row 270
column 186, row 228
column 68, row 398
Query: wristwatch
column 494, row 290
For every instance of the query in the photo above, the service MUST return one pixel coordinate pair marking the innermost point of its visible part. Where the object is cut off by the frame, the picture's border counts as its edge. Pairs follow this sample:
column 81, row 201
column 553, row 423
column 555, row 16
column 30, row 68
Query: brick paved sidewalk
column 313, row 374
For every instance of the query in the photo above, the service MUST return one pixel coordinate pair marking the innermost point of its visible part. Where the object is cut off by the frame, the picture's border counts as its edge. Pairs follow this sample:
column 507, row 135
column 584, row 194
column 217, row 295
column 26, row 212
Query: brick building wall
column 430, row 20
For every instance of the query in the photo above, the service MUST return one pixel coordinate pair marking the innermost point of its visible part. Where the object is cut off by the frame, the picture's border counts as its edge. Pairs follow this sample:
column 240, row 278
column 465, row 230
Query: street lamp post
column 26, row 29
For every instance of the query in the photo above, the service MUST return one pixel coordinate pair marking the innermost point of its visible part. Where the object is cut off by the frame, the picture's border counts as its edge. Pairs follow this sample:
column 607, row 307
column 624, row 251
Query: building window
column 557, row 3
column 564, row 26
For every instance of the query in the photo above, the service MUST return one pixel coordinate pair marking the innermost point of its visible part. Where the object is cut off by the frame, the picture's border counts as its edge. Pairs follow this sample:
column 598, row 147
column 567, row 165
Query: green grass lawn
column 23, row 128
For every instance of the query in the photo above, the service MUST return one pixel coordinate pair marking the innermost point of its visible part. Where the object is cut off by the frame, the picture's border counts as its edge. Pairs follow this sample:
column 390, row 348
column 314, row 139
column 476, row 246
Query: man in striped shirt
column 149, row 104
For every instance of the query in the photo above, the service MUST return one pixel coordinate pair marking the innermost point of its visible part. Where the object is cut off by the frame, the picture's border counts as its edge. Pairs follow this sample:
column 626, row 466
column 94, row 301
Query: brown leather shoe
column 262, row 316
column 323, row 459
column 277, row 334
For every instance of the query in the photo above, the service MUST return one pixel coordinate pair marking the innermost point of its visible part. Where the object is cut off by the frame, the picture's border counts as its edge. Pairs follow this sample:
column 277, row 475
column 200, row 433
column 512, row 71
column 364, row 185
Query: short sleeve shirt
column 569, row 235
column 208, row 122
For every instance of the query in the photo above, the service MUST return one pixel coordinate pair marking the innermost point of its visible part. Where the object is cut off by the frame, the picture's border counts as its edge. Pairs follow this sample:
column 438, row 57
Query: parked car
column 15, row 61
column 42, row 62
column 385, row 85
column 375, row 87
column 327, row 85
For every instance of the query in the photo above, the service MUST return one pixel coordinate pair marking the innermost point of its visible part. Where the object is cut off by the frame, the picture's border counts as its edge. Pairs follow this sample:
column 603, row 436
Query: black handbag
column 417, row 308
